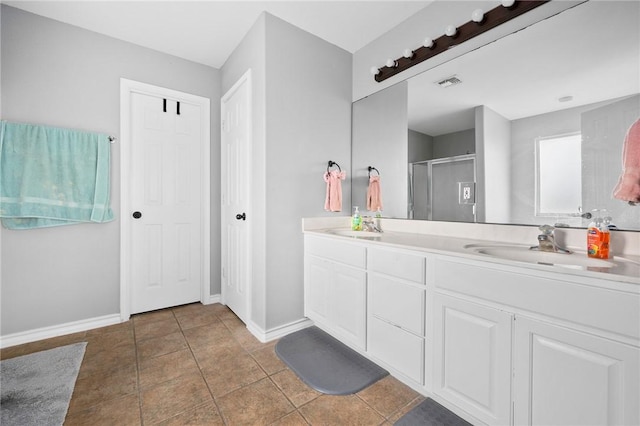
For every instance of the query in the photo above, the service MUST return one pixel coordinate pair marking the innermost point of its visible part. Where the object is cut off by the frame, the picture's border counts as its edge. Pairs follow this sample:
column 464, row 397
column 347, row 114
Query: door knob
column 137, row 215
column 242, row 216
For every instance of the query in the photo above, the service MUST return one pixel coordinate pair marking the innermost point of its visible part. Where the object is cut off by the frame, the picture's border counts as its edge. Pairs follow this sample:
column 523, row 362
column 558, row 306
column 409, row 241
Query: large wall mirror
column 528, row 129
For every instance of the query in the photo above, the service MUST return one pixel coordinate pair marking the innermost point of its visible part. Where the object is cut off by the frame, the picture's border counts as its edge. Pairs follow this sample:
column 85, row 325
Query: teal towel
column 51, row 176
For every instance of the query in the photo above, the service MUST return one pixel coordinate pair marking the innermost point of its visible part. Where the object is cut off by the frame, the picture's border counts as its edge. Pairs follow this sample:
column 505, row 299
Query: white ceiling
column 590, row 52
column 208, row 31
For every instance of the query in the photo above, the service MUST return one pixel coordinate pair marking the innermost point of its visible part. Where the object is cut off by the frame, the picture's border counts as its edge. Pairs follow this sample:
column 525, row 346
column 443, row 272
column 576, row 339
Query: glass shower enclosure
column 443, row 189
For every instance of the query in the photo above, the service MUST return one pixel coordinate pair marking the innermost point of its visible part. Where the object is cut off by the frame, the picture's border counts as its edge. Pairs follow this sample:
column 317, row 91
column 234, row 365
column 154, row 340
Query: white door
column 349, row 303
column 235, row 178
column 317, row 292
column 164, row 191
column 564, row 377
column 472, row 358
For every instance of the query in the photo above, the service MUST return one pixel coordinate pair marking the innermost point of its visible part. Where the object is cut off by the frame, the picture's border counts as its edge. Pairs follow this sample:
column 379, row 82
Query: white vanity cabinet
column 575, row 348
column 500, row 343
column 472, row 358
column 396, row 314
column 336, row 288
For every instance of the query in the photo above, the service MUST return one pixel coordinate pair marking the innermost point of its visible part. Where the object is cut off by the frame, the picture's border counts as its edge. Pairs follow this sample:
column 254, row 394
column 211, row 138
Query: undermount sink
column 355, row 234
column 525, row 254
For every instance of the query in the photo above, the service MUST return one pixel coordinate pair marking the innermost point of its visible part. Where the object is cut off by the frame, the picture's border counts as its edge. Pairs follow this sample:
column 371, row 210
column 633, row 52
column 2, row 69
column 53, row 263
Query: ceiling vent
column 450, row 81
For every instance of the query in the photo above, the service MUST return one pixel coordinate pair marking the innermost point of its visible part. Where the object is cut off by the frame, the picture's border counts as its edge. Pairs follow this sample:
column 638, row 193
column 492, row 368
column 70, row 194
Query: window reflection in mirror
column 559, row 175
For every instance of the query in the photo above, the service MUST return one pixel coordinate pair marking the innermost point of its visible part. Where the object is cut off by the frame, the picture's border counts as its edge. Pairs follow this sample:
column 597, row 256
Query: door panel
column 166, row 240
column 472, row 363
column 236, row 217
column 564, row 377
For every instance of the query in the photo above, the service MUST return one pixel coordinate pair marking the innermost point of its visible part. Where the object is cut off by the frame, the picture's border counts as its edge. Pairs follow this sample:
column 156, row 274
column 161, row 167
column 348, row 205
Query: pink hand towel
column 628, row 188
column 374, row 197
column 333, row 199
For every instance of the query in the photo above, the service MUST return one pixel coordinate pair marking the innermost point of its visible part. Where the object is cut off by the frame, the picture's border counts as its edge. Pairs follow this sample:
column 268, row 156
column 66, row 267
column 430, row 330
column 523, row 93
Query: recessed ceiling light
column 565, row 99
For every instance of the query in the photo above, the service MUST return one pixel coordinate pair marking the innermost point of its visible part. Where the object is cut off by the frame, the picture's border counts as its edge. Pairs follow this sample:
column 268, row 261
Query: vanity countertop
column 623, row 269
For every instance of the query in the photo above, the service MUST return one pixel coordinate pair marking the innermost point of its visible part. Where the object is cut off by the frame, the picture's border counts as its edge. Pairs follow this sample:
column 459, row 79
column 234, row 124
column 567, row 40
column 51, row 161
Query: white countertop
column 626, row 268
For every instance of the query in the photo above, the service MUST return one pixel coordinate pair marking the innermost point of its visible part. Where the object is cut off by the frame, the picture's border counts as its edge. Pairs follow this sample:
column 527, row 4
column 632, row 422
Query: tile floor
column 199, row 365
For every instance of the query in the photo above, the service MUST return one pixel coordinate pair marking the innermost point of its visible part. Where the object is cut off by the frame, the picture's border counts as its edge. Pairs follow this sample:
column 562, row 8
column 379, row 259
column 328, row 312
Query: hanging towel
column 628, row 187
column 51, row 176
column 333, row 199
column 374, row 196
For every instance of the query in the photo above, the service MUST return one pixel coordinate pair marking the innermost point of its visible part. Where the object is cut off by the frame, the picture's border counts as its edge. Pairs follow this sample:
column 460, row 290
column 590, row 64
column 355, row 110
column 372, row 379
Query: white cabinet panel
column 318, row 273
column 349, row 254
column 398, row 348
column 349, row 303
column 398, row 264
column 564, row 377
column 335, row 298
column 472, row 358
column 398, row 303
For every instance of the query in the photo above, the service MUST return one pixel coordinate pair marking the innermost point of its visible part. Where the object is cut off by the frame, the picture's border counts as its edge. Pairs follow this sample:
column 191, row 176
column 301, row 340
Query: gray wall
column 523, row 164
column 60, row 75
column 308, row 124
column 380, row 139
column 420, row 146
column 523, row 158
column 603, row 133
column 456, row 143
column 302, row 119
column 250, row 54
column 493, row 172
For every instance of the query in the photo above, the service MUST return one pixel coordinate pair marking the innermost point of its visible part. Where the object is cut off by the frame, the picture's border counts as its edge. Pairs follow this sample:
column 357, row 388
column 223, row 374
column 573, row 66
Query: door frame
column 246, row 78
column 127, row 88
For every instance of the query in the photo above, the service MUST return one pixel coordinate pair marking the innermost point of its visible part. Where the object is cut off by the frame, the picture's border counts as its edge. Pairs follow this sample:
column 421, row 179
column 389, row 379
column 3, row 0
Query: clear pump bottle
column 356, row 220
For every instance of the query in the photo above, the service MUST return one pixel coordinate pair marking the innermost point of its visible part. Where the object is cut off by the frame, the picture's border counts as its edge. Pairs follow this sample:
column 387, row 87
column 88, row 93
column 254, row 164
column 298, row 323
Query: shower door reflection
column 436, row 192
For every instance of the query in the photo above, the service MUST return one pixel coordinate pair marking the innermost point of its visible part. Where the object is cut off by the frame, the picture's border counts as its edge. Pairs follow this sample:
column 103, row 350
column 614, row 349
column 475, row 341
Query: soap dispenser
column 356, row 220
column 598, row 236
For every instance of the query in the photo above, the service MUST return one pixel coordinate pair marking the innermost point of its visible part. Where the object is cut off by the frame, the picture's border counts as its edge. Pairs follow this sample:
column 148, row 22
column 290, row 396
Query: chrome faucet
column 369, row 225
column 547, row 241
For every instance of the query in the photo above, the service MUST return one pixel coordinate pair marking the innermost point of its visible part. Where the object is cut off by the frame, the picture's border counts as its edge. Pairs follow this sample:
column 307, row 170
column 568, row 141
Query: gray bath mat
column 36, row 388
column 326, row 364
column 430, row 413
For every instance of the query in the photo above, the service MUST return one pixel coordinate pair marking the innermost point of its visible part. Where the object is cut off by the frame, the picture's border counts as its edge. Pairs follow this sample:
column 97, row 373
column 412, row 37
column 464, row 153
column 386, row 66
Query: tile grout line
column 200, row 370
column 138, row 385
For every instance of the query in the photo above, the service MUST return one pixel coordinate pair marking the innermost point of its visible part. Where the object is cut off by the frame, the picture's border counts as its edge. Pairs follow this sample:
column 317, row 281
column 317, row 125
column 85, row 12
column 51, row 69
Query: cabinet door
column 564, row 377
column 472, row 358
column 317, row 293
column 349, row 299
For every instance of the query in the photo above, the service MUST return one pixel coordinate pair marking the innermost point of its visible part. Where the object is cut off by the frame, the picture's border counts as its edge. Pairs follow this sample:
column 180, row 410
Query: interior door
column 165, row 198
column 235, row 178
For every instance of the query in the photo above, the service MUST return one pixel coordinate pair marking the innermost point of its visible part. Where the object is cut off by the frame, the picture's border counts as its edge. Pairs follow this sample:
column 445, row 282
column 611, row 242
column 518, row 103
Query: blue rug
column 326, row 364
column 430, row 413
column 36, row 388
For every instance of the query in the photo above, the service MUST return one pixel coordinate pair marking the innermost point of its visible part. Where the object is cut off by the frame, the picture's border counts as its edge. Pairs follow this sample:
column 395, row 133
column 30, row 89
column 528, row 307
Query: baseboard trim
column 277, row 332
column 210, row 299
column 58, row 330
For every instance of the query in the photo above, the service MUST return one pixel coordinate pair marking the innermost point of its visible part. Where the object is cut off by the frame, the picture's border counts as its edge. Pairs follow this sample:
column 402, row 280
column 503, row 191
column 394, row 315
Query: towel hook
column 331, row 164
column 372, row 168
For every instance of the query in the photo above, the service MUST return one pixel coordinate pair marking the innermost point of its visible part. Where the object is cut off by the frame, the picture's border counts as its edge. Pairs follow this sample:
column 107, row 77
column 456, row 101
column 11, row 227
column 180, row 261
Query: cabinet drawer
column 401, row 350
column 349, row 254
column 403, row 265
column 398, row 303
